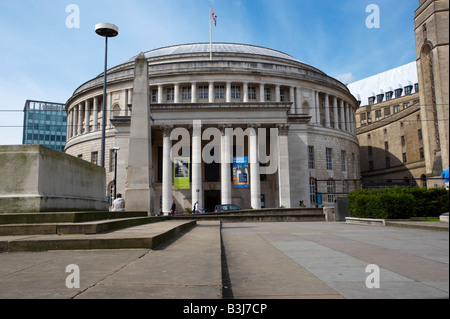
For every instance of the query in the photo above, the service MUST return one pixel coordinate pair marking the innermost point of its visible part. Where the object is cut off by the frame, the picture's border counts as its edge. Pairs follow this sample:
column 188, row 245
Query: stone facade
column 432, row 40
column 39, row 179
column 283, row 104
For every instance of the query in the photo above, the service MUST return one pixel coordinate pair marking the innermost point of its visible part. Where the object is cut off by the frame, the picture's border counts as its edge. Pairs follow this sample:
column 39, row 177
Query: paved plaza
column 306, row 260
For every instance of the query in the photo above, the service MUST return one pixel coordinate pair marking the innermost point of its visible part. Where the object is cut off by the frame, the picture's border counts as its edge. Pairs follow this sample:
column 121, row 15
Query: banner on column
column 240, row 172
column 181, row 173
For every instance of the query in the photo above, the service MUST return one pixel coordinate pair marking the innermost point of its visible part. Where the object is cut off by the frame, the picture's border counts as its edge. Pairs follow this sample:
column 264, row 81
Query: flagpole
column 210, row 35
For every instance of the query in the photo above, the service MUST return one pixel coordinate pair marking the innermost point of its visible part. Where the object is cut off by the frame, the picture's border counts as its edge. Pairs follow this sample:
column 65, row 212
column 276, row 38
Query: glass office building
column 45, row 123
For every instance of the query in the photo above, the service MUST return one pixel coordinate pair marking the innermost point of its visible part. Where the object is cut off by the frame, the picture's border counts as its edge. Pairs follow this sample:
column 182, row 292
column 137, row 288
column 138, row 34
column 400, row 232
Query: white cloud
column 346, row 78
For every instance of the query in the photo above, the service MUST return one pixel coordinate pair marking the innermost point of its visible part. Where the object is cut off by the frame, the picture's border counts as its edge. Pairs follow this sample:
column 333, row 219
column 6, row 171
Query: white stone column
column 335, row 113
column 342, row 112
column 245, row 89
column 228, row 92
column 129, row 101
column 292, row 99
column 317, row 109
column 225, row 165
column 160, row 94
column 194, row 92
column 109, row 110
column 80, row 120
column 277, row 93
column 261, row 93
column 283, row 166
column 255, row 183
column 176, row 93
column 69, row 125
column 327, row 111
column 196, row 187
column 312, row 110
column 347, row 118
column 95, row 124
column 86, row 117
column 211, row 92
column 167, row 170
column 298, row 103
column 353, row 120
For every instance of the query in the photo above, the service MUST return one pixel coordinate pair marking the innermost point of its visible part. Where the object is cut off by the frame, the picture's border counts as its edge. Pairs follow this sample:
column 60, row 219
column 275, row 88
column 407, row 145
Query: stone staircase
column 86, row 230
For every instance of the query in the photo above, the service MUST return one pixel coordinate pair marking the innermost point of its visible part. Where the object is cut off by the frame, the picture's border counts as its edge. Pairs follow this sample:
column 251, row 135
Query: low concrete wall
column 38, row 179
column 365, row 221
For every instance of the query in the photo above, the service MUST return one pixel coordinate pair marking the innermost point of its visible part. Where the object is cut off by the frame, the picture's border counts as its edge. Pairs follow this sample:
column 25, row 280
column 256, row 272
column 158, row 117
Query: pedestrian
column 118, row 204
column 195, row 210
column 173, row 209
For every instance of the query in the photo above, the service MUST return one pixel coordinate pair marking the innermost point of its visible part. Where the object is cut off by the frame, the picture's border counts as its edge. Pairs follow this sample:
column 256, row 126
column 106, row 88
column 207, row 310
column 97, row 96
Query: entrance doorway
column 212, row 198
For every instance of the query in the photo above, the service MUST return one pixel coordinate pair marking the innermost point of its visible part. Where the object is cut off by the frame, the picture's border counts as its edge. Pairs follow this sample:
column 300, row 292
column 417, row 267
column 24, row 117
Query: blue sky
column 42, row 59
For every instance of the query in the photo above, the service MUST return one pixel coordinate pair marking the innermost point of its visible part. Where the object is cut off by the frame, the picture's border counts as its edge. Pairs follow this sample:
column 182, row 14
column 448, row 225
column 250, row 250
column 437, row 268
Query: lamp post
column 116, row 149
column 105, row 30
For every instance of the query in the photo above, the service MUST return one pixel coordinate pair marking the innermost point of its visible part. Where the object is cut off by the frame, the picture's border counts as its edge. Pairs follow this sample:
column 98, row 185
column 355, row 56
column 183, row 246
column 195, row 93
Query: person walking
column 195, row 210
column 173, row 209
column 118, row 204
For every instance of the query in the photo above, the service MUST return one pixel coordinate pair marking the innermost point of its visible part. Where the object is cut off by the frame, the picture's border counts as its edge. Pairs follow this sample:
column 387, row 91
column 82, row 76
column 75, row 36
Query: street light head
column 106, row 30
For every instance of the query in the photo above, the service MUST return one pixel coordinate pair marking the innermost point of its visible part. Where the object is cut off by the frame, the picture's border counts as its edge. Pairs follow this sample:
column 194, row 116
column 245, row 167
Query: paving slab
column 187, row 267
column 412, row 263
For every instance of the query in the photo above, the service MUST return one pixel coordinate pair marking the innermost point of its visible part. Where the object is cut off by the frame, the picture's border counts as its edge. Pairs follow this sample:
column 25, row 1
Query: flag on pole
column 214, row 17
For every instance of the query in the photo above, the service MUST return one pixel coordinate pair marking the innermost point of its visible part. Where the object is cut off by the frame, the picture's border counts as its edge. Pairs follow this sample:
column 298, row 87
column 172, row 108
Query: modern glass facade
column 45, row 123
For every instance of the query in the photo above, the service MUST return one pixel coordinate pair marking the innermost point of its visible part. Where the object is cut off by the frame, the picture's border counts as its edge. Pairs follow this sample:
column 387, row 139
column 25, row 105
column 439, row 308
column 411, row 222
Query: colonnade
column 325, row 109
column 226, row 159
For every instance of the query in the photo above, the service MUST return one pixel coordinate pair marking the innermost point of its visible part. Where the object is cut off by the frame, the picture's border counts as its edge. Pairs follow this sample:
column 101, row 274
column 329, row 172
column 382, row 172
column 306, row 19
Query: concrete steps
column 260, row 215
column 70, row 223
column 147, row 236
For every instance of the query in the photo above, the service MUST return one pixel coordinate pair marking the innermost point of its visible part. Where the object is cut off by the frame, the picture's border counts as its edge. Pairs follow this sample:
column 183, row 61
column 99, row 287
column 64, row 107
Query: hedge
column 398, row 203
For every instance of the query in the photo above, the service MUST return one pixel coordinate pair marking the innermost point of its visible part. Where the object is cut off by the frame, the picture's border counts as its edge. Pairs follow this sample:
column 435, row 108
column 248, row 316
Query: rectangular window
column 386, row 146
column 267, row 94
column 396, row 108
column 154, row 96
column 406, row 105
column 369, row 150
column 419, row 132
column 371, row 100
column 422, row 154
column 329, row 158
column 380, row 98
column 403, row 141
column 312, row 190
column 387, row 111
column 112, row 162
column 311, row 157
column 378, row 114
column 398, row 92
column 389, row 95
column 388, row 162
column 282, row 96
column 94, row 158
column 186, row 93
column 416, row 87
column 203, row 92
column 404, row 158
column 236, row 92
column 330, row 191
column 219, row 92
column 344, row 161
column 408, row 89
column 252, row 92
column 170, row 94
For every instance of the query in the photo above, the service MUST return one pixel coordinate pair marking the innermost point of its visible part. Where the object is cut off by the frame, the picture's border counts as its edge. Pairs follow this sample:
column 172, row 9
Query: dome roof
column 232, row 48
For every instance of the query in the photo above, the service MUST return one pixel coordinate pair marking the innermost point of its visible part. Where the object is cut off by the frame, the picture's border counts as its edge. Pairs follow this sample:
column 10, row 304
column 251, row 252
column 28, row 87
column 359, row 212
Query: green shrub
column 398, row 203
